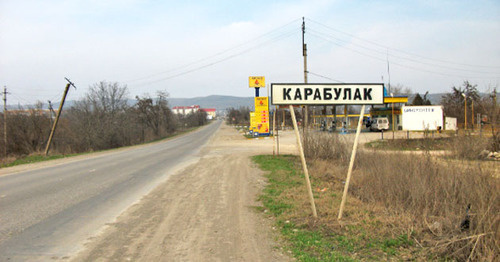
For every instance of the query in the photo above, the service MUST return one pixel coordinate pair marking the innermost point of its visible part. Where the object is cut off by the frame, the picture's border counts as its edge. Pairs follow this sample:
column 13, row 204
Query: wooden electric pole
column 304, row 54
column 51, row 109
column 52, row 114
column 5, row 121
column 58, row 115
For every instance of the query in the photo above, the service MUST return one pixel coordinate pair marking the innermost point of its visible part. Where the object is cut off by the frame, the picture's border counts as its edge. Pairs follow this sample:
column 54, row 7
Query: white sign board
column 419, row 118
column 327, row 94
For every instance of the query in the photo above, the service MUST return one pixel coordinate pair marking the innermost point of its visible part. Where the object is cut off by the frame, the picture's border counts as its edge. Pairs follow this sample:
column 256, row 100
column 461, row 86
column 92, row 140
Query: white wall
column 419, row 118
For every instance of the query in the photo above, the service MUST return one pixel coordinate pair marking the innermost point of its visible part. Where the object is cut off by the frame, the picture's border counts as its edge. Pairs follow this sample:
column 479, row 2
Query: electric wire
column 21, row 97
column 398, row 50
column 325, row 77
column 402, row 58
column 275, row 39
column 258, row 38
column 398, row 64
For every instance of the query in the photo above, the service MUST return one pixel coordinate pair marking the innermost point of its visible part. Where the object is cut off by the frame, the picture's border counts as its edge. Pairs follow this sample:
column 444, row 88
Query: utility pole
column 304, row 54
column 5, row 121
column 388, row 72
column 51, row 111
column 58, row 114
column 465, row 110
column 472, row 107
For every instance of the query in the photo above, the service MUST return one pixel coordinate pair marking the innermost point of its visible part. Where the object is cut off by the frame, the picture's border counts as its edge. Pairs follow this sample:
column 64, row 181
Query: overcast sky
column 200, row 48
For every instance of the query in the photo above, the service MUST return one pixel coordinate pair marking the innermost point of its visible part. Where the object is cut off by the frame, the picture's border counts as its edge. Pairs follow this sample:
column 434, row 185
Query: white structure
column 450, row 123
column 211, row 113
column 185, row 110
column 419, row 118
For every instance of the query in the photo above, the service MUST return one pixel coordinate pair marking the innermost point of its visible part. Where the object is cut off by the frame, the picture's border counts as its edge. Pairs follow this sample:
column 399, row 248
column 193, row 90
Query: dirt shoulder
column 203, row 213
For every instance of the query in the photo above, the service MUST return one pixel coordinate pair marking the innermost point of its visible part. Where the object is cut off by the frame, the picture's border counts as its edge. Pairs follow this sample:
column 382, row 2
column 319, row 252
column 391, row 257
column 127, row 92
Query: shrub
column 469, row 147
column 432, row 191
column 325, row 146
column 424, row 193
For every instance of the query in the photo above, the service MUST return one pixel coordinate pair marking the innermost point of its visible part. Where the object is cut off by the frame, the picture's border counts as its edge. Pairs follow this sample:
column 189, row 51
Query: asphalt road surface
column 48, row 213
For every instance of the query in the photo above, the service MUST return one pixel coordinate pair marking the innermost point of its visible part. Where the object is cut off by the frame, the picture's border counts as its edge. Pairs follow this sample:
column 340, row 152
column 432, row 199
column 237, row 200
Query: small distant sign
column 256, row 81
column 327, row 94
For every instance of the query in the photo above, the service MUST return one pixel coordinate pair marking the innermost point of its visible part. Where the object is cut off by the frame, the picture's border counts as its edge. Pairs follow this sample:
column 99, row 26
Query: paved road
column 49, row 213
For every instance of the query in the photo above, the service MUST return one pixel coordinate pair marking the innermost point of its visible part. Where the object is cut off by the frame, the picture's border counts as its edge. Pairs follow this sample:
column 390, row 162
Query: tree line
column 102, row 119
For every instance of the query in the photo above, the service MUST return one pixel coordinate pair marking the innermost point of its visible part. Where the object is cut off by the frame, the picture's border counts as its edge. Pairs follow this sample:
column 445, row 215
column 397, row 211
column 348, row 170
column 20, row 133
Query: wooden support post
column 346, row 119
column 277, row 130
column 274, row 132
column 351, row 163
column 277, row 141
column 304, row 165
column 284, row 116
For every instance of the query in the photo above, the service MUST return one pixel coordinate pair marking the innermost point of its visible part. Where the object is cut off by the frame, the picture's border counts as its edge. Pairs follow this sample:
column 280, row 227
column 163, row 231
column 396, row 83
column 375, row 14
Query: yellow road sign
column 256, row 81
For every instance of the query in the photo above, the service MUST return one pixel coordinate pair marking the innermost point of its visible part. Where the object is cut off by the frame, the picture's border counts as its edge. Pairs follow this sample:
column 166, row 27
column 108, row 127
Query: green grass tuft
column 33, row 159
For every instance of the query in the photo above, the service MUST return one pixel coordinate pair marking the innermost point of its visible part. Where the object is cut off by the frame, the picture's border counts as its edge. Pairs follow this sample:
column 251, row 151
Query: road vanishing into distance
column 49, row 212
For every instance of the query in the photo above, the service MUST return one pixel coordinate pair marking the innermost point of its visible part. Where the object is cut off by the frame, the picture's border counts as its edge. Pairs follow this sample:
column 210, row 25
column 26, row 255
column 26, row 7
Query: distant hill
column 219, row 102
column 434, row 98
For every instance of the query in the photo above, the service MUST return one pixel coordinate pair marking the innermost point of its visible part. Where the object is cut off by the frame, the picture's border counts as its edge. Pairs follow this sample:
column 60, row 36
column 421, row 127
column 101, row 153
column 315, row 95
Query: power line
column 403, row 58
column 398, row 64
column 280, row 37
column 399, row 50
column 19, row 98
column 325, row 77
column 258, row 38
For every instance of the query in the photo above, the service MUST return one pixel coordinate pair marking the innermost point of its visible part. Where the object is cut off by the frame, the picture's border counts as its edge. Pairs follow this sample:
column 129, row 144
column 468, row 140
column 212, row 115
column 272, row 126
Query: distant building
column 185, row 110
column 211, row 112
column 28, row 112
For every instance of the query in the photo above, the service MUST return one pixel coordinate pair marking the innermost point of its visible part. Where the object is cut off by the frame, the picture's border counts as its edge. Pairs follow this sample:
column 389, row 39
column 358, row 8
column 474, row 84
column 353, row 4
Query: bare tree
column 155, row 114
column 99, row 119
column 400, row 89
column 454, row 102
column 490, row 109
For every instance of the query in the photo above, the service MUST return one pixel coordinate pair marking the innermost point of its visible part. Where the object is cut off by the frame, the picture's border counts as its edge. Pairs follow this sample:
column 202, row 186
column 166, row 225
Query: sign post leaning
column 327, row 94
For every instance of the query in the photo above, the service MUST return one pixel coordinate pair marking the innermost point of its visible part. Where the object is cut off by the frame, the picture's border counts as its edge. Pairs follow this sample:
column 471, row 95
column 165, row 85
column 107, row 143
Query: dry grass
column 435, row 194
column 470, row 147
column 325, row 146
column 417, row 194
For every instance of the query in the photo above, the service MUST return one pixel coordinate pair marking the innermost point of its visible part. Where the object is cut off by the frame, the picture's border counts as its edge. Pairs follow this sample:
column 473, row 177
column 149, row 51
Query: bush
column 100, row 120
column 240, row 116
column 469, row 147
column 430, row 190
column 325, row 146
column 27, row 130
